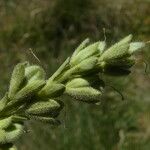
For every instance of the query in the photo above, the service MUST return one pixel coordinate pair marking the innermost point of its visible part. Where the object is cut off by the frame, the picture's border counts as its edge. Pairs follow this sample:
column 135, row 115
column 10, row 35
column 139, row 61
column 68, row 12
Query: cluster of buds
column 32, row 96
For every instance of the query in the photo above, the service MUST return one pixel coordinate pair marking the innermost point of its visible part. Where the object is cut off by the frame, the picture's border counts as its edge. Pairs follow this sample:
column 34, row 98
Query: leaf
column 118, row 50
column 16, row 79
column 90, row 50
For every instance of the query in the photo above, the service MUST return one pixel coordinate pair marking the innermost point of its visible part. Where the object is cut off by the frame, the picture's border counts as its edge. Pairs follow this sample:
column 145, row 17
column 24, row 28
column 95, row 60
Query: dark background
column 53, row 29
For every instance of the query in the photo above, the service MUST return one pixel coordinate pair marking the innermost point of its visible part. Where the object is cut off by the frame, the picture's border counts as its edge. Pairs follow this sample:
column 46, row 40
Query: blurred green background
column 53, row 28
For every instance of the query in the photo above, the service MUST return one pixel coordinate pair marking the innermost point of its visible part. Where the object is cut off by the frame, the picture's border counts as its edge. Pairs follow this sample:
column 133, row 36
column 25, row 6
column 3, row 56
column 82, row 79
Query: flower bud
column 118, row 50
column 51, row 89
column 2, row 136
column 13, row 132
column 25, row 93
column 135, row 46
column 86, row 65
column 48, row 120
column 17, row 79
column 85, row 94
column 3, row 102
column 34, row 72
column 80, row 47
column 91, row 50
column 121, row 63
column 43, row 107
column 5, row 123
column 77, row 82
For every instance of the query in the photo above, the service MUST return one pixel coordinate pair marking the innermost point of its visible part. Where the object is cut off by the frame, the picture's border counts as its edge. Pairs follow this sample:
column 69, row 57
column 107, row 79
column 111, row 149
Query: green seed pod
column 48, row 120
column 135, row 46
column 13, row 132
column 3, row 102
column 25, row 93
column 43, row 107
column 77, row 82
column 5, row 123
column 91, row 50
column 2, row 136
column 17, row 79
column 118, row 50
column 51, row 89
column 86, row 94
column 80, row 47
column 35, row 72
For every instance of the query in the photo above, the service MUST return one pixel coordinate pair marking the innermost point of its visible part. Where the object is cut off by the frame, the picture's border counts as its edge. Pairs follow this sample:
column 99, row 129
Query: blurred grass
column 53, row 28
